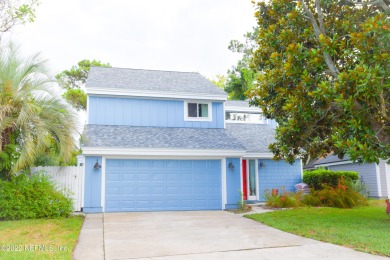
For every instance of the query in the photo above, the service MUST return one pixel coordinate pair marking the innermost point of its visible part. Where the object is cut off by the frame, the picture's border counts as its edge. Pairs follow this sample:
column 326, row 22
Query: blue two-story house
column 166, row 140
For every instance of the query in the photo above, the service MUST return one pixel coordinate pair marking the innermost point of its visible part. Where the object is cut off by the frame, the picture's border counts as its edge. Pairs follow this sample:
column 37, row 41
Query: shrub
column 242, row 205
column 283, row 200
column 318, row 178
column 25, row 197
column 359, row 187
column 342, row 196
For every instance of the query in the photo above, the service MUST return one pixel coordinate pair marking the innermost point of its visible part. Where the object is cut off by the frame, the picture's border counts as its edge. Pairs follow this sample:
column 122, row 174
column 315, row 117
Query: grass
column 365, row 228
column 39, row 238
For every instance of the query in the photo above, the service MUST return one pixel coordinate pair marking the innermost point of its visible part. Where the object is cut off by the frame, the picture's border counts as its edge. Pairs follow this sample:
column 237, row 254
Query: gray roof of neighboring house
column 158, row 137
column 237, row 103
column 331, row 159
column 255, row 137
column 153, row 80
column 310, row 165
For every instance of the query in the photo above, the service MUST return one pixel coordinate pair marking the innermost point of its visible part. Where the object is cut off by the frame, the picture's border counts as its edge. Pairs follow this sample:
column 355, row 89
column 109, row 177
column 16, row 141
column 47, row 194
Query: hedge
column 31, row 197
column 318, row 178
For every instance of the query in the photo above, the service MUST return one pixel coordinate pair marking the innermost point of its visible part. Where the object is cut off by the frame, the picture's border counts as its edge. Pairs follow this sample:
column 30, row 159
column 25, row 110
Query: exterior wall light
column 231, row 165
column 97, row 165
column 261, row 164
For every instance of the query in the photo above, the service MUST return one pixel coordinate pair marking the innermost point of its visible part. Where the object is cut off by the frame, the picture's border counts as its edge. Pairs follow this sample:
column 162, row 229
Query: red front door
column 244, row 181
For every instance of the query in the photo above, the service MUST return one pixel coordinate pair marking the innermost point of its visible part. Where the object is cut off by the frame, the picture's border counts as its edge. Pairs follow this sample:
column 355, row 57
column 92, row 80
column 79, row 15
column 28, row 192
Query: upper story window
column 244, row 117
column 197, row 111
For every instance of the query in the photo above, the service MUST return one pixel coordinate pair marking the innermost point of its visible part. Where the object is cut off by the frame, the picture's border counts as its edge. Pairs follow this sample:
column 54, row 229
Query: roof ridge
column 100, row 67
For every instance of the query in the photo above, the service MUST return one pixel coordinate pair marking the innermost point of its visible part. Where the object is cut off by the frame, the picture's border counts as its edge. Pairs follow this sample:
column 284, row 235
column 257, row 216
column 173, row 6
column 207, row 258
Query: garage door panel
column 200, row 164
column 158, row 177
column 185, row 164
column 186, row 177
column 173, row 190
column 172, row 176
column 147, row 185
column 113, row 163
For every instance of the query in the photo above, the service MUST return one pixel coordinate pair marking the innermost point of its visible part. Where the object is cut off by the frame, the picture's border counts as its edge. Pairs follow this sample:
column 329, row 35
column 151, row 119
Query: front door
column 249, row 179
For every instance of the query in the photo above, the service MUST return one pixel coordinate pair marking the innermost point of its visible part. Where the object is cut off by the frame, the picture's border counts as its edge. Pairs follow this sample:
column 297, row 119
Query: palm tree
column 31, row 112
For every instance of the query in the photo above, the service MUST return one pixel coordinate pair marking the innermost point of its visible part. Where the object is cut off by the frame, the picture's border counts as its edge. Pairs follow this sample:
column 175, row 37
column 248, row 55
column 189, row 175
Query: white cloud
column 184, row 35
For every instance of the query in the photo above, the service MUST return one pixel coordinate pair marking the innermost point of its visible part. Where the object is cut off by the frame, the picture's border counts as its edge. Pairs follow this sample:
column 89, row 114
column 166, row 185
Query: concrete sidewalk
column 90, row 244
column 196, row 235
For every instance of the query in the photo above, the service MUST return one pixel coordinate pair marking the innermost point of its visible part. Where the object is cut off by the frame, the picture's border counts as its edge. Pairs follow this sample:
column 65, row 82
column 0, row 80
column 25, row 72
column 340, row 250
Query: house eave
column 243, row 109
column 332, row 164
column 159, row 152
column 259, row 155
column 155, row 94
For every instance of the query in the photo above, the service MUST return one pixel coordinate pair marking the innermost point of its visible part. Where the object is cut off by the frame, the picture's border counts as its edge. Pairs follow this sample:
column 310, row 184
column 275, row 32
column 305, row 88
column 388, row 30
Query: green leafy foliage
column 73, row 81
column 8, row 156
column 341, row 196
column 32, row 114
column 283, row 200
column 219, row 81
column 51, row 156
column 77, row 98
column 25, row 197
column 76, row 77
column 316, row 179
column 360, row 187
column 15, row 12
column 323, row 75
column 240, row 78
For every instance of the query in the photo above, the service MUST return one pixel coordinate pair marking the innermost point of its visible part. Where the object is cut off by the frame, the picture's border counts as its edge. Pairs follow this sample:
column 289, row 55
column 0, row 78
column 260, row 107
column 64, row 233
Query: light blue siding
column 92, row 185
column 147, row 112
column 367, row 173
column 233, row 183
column 278, row 175
column 153, row 185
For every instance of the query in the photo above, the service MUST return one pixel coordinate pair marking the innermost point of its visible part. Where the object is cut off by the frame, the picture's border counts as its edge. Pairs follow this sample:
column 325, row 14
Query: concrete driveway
column 196, row 235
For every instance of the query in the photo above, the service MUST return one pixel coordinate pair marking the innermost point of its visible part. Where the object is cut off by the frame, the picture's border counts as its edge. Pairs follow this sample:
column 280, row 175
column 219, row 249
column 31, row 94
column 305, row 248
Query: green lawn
column 39, row 238
column 364, row 228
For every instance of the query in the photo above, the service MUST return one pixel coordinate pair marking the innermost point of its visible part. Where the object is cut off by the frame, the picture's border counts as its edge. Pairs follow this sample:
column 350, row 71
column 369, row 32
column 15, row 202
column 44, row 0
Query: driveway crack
column 209, row 252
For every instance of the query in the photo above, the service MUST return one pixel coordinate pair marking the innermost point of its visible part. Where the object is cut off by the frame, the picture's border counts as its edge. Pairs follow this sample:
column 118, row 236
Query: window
column 244, row 117
column 197, row 111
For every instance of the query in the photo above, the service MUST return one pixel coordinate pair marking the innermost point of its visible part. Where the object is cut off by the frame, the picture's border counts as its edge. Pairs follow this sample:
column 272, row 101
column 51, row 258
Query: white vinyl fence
column 69, row 177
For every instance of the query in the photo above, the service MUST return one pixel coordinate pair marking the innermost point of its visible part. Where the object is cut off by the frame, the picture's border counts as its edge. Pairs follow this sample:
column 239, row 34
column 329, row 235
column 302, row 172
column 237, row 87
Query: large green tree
column 74, row 80
column 240, row 77
column 15, row 12
column 324, row 76
column 31, row 113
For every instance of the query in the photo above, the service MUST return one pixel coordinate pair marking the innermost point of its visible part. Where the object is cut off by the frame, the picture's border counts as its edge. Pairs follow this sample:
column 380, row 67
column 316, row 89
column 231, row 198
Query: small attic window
column 244, row 117
column 197, row 111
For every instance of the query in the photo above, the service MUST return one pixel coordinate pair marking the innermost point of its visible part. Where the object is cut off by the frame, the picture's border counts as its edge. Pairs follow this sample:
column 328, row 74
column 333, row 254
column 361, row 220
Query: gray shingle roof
column 153, row 80
column 331, row 159
column 255, row 137
column 158, row 137
column 237, row 103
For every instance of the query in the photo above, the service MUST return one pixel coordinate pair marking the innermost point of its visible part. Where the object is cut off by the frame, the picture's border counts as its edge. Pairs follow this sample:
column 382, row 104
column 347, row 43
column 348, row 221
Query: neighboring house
column 375, row 176
column 165, row 140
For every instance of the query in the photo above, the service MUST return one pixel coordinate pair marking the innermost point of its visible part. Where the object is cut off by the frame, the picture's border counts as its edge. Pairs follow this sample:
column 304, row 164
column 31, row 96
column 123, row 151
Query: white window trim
column 257, row 179
column 201, row 119
column 103, row 185
column 223, row 179
column 245, row 122
column 387, row 173
column 378, row 180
